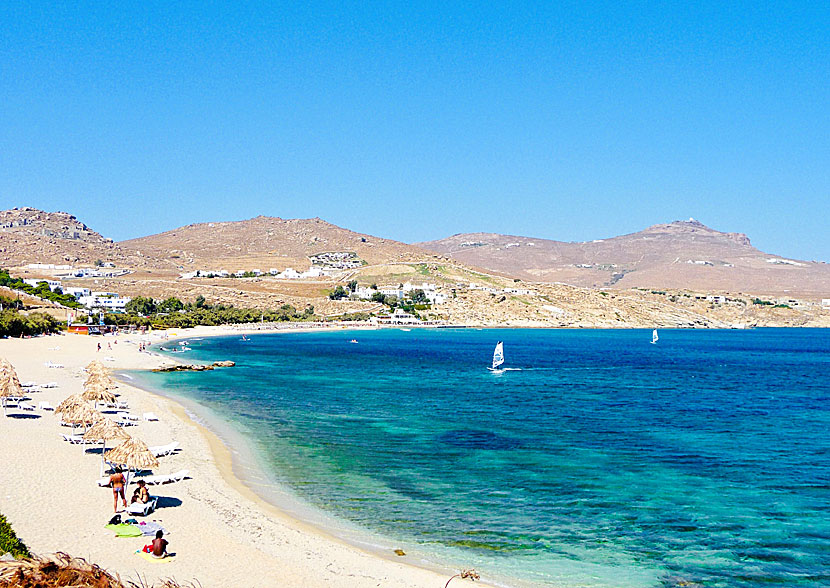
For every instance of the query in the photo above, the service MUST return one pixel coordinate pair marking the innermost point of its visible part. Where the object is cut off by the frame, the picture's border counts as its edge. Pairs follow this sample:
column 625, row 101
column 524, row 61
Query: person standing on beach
column 118, row 482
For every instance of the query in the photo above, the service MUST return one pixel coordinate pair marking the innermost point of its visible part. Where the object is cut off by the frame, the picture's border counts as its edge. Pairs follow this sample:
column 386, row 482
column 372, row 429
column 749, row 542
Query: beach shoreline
column 241, row 536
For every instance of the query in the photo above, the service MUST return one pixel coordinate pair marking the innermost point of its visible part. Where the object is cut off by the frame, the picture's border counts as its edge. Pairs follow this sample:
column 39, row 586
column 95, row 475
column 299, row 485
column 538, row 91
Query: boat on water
column 244, row 338
column 654, row 337
column 353, row 341
column 498, row 358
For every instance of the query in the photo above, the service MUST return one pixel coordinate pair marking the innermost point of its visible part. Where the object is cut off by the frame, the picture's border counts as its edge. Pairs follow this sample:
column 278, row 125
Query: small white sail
column 654, row 337
column 498, row 355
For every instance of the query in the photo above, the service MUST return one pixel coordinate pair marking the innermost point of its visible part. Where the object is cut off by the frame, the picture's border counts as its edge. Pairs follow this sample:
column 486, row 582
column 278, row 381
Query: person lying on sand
column 159, row 545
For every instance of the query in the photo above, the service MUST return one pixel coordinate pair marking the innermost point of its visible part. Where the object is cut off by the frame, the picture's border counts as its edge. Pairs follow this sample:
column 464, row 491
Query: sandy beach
column 221, row 532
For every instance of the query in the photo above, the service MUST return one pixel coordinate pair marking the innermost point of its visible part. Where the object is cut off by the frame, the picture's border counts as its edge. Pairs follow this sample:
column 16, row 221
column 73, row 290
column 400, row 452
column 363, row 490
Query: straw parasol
column 132, row 454
column 70, row 402
column 81, row 414
column 96, row 366
column 100, row 379
column 97, row 393
column 9, row 384
column 103, row 431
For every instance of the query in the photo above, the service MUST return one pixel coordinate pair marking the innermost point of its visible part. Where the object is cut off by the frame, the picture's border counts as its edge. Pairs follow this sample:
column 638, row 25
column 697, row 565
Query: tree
column 199, row 302
column 339, row 293
column 171, row 305
column 418, row 297
column 140, row 306
column 353, row 285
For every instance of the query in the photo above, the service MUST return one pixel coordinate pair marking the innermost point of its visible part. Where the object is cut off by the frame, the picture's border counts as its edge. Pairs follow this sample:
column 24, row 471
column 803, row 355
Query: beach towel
column 149, row 557
column 150, row 528
column 124, row 530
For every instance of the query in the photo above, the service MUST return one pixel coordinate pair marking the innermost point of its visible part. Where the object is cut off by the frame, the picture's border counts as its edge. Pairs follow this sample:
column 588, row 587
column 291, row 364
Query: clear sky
column 414, row 121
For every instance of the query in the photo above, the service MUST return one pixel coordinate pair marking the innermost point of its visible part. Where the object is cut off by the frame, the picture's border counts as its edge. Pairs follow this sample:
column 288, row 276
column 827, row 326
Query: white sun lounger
column 44, row 405
column 121, row 404
column 49, row 385
column 74, row 439
column 150, row 416
column 143, row 508
column 26, row 406
column 50, row 364
column 127, row 416
column 28, row 384
column 162, row 450
column 167, row 478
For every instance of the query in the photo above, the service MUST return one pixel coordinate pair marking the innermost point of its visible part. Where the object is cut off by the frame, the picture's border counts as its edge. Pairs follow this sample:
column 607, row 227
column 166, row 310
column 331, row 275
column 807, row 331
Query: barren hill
column 28, row 235
column 263, row 243
column 681, row 254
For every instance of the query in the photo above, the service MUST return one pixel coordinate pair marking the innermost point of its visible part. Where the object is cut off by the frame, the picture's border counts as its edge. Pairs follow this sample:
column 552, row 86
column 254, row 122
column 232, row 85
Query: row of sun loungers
column 155, row 480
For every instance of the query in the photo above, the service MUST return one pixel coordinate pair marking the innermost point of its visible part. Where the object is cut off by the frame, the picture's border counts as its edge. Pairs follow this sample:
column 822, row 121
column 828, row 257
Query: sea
column 596, row 459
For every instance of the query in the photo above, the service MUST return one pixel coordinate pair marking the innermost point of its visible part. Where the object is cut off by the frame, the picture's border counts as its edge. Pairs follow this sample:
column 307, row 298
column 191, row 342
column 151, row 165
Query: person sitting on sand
column 141, row 493
column 118, row 481
column 159, row 545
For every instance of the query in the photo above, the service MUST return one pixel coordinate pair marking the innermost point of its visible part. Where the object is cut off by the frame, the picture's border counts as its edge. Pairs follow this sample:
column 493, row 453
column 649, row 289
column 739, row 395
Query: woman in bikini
column 118, row 482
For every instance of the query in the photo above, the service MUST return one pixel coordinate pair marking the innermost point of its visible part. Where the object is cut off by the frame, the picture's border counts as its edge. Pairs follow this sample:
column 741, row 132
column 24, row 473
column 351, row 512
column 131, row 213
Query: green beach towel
column 124, row 530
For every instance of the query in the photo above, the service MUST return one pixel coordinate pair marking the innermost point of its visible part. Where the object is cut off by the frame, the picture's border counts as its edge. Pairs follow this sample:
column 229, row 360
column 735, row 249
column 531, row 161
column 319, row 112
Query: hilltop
column 263, row 242
column 681, row 254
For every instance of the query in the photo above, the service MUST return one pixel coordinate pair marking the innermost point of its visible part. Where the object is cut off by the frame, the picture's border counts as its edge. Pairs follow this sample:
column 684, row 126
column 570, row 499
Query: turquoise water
column 603, row 461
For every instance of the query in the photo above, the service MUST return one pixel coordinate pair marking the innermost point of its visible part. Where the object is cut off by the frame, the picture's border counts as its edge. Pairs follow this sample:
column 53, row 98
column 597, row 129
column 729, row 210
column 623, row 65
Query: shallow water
column 603, row 461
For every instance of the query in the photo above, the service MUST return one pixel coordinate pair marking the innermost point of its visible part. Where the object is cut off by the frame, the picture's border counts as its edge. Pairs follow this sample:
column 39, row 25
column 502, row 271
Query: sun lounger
column 125, row 416
column 26, row 406
column 120, row 405
column 149, row 416
column 28, row 384
column 74, row 439
column 143, row 508
column 162, row 450
column 43, row 405
column 50, row 364
column 49, row 385
column 167, row 478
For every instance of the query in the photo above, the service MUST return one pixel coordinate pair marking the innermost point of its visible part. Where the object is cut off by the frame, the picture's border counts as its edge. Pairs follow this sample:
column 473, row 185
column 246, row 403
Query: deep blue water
column 604, row 461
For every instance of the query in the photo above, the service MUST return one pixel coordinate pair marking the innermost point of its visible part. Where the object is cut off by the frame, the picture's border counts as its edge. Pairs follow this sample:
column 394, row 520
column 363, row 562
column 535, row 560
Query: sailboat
column 498, row 357
column 654, row 337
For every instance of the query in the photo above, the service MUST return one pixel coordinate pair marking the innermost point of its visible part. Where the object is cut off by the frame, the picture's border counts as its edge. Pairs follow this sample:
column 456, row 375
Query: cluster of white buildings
column 107, row 270
column 106, row 300
column 403, row 291
column 515, row 291
column 287, row 274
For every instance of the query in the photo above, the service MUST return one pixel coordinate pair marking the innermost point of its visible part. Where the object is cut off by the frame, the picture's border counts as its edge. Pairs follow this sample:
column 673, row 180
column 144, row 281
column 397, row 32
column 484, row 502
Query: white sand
column 222, row 534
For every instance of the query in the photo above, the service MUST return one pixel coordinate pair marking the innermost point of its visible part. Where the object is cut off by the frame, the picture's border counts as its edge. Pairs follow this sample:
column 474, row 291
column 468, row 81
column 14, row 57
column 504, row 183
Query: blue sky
column 569, row 121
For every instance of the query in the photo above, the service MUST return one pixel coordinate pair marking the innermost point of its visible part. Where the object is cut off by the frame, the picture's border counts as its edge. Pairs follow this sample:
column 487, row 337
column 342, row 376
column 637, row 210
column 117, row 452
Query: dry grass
column 65, row 571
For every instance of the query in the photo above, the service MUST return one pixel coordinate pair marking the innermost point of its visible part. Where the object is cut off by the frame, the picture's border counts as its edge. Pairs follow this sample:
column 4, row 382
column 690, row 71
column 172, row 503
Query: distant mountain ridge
column 677, row 255
column 680, row 254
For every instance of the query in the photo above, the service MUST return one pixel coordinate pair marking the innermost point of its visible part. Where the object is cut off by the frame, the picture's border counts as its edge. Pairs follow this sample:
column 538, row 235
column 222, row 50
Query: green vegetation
column 9, row 543
column 782, row 306
column 15, row 324
column 41, row 290
column 338, row 293
column 172, row 312
column 761, row 302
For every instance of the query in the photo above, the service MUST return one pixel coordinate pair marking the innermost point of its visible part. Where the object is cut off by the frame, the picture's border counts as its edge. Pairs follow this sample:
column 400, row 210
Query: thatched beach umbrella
column 82, row 414
column 103, row 431
column 70, row 402
column 100, row 380
column 132, row 454
column 9, row 384
column 95, row 366
column 97, row 393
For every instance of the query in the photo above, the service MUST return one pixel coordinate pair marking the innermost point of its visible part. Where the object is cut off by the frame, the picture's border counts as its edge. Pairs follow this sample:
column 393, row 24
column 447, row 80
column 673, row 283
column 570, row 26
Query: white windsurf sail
column 498, row 355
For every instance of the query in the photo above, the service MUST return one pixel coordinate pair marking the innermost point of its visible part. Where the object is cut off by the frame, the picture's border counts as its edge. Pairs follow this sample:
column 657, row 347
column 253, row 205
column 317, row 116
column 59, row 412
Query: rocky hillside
column 263, row 243
column 681, row 254
column 28, row 235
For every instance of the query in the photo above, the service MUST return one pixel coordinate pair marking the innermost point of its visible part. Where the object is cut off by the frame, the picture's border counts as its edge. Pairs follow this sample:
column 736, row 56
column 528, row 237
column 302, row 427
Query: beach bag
column 147, row 548
column 116, row 520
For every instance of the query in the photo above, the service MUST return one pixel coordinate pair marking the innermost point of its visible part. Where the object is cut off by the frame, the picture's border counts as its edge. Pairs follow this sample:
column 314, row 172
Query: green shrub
column 9, row 543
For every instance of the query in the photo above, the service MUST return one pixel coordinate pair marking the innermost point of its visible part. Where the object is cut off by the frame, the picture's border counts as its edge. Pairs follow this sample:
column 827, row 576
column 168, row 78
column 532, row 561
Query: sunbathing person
column 141, row 494
column 118, row 481
column 159, row 545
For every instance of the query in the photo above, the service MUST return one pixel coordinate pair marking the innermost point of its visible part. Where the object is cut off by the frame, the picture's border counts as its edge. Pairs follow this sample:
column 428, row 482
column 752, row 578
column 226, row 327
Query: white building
column 114, row 303
column 77, row 292
column 33, row 282
column 399, row 317
column 825, row 303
